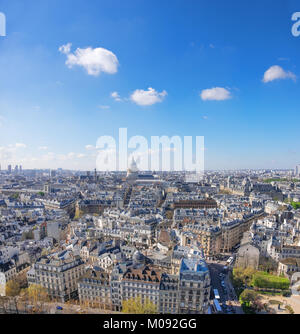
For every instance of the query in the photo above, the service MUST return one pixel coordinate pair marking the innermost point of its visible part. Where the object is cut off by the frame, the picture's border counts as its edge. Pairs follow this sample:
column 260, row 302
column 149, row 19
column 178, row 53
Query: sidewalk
column 235, row 303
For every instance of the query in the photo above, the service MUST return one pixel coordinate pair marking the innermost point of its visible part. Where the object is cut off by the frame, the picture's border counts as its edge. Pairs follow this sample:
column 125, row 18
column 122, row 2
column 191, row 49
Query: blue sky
column 52, row 113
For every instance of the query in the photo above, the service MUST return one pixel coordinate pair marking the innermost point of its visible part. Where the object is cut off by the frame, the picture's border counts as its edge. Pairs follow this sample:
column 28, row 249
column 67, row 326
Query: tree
column 36, row 295
column 136, row 306
column 248, row 274
column 243, row 276
column 4, row 300
column 248, row 297
column 267, row 264
column 289, row 309
column 13, row 290
column 258, row 305
column 21, row 279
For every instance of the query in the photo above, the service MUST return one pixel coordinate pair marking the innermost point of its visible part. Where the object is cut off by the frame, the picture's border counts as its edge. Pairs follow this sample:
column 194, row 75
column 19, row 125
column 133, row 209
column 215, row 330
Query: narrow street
column 227, row 293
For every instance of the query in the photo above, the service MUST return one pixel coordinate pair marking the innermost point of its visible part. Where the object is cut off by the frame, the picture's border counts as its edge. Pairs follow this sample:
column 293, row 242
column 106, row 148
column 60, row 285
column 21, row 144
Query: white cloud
column 147, row 97
column 11, row 155
column 276, row 73
column 116, row 96
column 215, row 94
column 12, row 152
column 94, row 61
column 65, row 49
column 89, row 147
column 20, row 145
column 43, row 148
column 71, row 155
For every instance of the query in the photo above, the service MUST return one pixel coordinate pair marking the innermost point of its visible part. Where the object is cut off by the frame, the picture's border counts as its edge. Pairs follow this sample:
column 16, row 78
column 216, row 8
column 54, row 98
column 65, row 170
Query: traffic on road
column 224, row 299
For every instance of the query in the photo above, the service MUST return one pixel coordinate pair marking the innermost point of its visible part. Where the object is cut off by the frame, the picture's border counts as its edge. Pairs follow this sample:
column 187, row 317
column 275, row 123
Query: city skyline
column 148, row 160
column 227, row 72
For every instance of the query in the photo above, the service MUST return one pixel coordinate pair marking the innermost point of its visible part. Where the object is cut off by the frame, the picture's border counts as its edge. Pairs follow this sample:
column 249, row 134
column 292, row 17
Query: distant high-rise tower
column 95, row 175
column 297, row 170
column 16, row 169
column 20, row 169
column 9, row 169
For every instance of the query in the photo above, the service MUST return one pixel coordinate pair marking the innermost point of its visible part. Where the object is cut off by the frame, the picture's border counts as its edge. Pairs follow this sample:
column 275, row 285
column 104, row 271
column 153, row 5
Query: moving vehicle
column 216, row 306
column 216, row 293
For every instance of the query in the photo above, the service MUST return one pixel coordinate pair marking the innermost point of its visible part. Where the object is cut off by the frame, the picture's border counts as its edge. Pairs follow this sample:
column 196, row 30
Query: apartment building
column 9, row 270
column 59, row 274
column 288, row 266
column 289, row 251
column 94, row 289
column 186, row 290
column 142, row 282
column 169, row 294
column 194, row 286
column 210, row 237
column 232, row 232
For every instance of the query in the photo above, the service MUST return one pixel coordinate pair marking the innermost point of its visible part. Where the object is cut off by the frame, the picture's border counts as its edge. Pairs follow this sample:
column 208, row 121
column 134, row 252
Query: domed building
column 134, row 176
column 132, row 172
column 138, row 257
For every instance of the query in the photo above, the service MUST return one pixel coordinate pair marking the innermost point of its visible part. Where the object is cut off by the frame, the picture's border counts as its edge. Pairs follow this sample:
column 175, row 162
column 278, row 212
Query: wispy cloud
column 90, row 147
column 10, row 151
column 20, row 145
column 65, row 49
column 116, row 96
column 283, row 59
column 104, row 107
